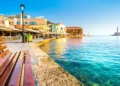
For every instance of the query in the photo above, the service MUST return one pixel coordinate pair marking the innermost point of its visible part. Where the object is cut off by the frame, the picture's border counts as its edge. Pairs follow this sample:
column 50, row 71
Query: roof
column 73, row 28
column 40, row 17
column 20, row 15
column 1, row 15
column 11, row 15
column 59, row 24
column 11, row 28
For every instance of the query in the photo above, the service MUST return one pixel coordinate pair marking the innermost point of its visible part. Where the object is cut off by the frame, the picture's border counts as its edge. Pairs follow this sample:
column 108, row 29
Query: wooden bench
column 0, row 38
column 15, row 68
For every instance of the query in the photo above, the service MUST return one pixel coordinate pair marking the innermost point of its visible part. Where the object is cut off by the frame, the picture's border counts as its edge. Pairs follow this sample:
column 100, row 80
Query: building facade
column 60, row 29
column 6, row 21
column 39, row 24
column 74, row 31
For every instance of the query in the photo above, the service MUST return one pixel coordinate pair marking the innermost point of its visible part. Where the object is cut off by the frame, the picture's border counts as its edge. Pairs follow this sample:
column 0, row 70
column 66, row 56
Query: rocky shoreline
column 48, row 72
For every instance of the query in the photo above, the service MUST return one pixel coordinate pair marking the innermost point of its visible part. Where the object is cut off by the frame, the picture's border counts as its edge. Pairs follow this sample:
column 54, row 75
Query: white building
column 60, row 29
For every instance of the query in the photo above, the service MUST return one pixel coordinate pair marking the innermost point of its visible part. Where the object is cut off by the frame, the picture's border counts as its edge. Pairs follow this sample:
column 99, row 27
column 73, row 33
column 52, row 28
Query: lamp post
column 56, row 33
column 22, row 21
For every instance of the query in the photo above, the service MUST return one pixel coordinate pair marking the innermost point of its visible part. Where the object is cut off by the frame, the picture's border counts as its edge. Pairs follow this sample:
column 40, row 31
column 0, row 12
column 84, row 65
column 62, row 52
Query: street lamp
column 22, row 8
column 56, row 33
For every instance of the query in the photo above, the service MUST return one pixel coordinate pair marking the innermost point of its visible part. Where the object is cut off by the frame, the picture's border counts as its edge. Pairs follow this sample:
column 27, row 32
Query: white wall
column 6, row 22
column 59, row 30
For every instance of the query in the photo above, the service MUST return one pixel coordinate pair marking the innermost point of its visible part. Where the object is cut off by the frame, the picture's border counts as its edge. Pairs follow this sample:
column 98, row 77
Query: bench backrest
column 0, row 38
column 8, row 66
column 11, row 66
column 3, row 48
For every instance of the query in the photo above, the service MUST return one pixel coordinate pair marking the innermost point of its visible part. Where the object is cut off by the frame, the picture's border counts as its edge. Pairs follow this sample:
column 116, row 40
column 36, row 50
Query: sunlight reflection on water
column 93, row 60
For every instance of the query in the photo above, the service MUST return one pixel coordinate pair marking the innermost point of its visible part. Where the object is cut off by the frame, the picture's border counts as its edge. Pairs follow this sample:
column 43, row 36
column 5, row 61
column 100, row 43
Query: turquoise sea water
column 95, row 61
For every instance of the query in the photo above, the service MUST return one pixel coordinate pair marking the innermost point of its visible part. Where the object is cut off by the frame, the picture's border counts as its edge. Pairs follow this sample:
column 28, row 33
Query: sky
column 96, row 17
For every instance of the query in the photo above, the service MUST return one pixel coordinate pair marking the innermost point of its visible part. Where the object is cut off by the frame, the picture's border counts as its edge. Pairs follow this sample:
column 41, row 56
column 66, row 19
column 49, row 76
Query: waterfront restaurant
column 10, row 30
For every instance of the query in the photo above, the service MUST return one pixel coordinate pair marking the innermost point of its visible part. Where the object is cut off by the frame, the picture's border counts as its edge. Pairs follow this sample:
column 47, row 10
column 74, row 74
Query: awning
column 2, row 25
column 55, row 33
column 51, row 32
column 30, row 30
column 10, row 29
column 5, row 29
column 15, row 29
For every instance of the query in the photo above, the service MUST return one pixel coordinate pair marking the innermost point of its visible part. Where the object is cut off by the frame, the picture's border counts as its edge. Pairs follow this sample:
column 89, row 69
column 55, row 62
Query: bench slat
column 1, row 42
column 4, row 62
column 28, row 74
column 7, row 72
column 4, row 53
column 16, row 76
column 11, row 66
column 3, row 47
column 0, row 38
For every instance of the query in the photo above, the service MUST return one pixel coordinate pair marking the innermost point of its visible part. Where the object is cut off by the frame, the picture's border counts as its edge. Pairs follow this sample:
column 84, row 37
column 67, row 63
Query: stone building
column 74, row 31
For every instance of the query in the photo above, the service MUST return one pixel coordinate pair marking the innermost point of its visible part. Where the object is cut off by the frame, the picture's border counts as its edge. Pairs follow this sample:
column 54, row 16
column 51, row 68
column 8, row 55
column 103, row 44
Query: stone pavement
column 17, row 45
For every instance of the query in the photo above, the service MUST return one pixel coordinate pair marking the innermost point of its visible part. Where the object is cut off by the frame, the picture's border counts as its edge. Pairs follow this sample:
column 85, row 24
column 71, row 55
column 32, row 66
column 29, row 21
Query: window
column 25, row 17
column 25, row 22
column 32, row 23
column 18, row 22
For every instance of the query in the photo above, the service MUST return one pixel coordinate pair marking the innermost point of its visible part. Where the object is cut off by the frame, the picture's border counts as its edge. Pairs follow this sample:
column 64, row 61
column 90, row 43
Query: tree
column 48, row 22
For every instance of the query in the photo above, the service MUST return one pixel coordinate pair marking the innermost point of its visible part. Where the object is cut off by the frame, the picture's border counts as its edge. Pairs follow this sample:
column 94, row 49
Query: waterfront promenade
column 46, row 71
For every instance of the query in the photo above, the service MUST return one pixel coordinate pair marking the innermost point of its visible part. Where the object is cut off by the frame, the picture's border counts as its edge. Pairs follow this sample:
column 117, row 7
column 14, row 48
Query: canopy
column 55, row 33
column 15, row 29
column 51, row 33
column 11, row 28
column 30, row 30
column 5, row 29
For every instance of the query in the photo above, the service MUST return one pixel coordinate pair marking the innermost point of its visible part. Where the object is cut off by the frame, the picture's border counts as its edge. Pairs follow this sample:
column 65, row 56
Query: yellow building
column 39, row 24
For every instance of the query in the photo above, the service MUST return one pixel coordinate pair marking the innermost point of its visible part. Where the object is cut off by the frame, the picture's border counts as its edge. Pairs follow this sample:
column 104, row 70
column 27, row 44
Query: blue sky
column 96, row 17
